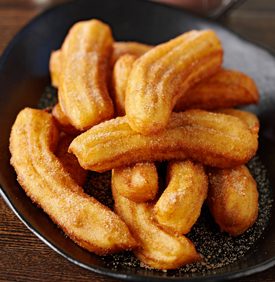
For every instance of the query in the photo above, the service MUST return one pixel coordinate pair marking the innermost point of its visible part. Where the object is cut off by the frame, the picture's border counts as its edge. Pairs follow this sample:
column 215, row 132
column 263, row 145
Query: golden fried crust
column 138, row 183
column 213, row 139
column 226, row 88
column 233, row 199
column 179, row 206
column 63, row 121
column 250, row 119
column 40, row 173
column 163, row 74
column 158, row 248
column 120, row 76
column 131, row 48
column 55, row 67
column 69, row 161
column 82, row 92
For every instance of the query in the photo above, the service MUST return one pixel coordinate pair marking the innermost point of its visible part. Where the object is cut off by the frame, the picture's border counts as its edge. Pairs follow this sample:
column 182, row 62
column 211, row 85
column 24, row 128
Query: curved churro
column 158, row 248
column 69, row 161
column 179, row 206
column 82, row 89
column 120, row 76
column 62, row 120
column 138, row 183
column 233, row 199
column 43, row 177
column 213, row 139
column 128, row 47
column 163, row 74
column 226, row 88
column 55, row 67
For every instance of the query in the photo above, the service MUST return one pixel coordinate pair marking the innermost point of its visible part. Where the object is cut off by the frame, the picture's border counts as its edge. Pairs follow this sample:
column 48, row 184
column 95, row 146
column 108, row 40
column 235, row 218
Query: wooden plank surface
column 23, row 257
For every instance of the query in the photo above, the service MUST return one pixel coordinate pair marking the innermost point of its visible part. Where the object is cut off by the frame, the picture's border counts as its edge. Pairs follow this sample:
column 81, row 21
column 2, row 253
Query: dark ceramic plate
column 24, row 75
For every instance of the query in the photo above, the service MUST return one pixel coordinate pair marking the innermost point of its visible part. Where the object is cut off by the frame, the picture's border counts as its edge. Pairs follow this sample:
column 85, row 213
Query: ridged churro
column 138, row 182
column 128, row 47
column 233, row 199
column 213, row 139
column 82, row 83
column 63, row 121
column 225, row 89
column 158, row 248
column 90, row 224
column 121, row 72
column 163, row 74
column 179, row 206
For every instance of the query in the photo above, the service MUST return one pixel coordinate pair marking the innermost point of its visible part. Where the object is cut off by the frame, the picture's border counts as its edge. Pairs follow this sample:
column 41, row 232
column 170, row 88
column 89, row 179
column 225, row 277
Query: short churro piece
column 179, row 206
column 90, row 224
column 158, row 248
column 55, row 67
column 82, row 89
column 62, row 120
column 233, row 199
column 226, row 88
column 213, row 139
column 138, row 183
column 162, row 75
column 120, row 76
column 127, row 47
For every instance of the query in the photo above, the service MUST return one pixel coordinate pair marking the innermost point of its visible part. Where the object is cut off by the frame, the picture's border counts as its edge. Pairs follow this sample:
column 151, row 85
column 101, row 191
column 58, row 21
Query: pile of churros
column 125, row 107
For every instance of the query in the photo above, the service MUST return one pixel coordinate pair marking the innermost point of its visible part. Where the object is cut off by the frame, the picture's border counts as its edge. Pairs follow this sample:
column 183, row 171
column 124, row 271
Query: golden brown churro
column 213, row 139
column 233, row 199
column 40, row 173
column 158, row 248
column 226, row 88
column 163, row 74
column 138, row 183
column 179, row 206
column 120, row 76
column 127, row 47
column 82, row 89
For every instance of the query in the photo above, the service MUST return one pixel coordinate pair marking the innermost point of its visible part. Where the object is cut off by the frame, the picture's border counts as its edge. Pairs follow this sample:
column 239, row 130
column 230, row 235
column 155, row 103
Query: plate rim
column 104, row 270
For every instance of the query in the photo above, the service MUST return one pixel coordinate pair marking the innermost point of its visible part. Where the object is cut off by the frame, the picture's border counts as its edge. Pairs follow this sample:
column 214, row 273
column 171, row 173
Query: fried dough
column 138, row 183
column 233, row 199
column 158, row 248
column 63, row 121
column 128, row 47
column 225, row 89
column 69, row 161
column 213, row 139
column 121, row 72
column 90, row 224
column 82, row 89
column 179, row 206
column 163, row 74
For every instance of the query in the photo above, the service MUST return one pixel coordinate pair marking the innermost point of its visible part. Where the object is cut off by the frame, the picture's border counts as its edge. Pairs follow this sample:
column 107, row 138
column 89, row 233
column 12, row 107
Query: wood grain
column 23, row 256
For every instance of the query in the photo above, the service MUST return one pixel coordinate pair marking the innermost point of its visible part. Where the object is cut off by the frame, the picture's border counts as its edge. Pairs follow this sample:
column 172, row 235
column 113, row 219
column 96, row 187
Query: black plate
column 24, row 75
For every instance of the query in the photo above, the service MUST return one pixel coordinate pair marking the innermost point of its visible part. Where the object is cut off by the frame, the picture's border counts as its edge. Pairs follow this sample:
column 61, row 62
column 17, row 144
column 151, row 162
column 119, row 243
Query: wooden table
column 23, row 257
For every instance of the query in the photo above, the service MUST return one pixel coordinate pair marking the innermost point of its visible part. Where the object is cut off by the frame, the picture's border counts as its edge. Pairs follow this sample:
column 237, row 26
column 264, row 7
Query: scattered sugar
column 218, row 249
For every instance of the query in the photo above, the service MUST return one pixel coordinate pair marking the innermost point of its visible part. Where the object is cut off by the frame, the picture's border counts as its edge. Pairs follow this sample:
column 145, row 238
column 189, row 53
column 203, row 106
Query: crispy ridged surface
column 226, row 88
column 213, row 139
column 120, row 76
column 233, row 199
column 63, row 121
column 82, row 89
column 249, row 118
column 179, row 206
column 55, row 67
column 40, row 173
column 158, row 248
column 128, row 47
column 138, row 183
column 69, row 161
column 163, row 74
